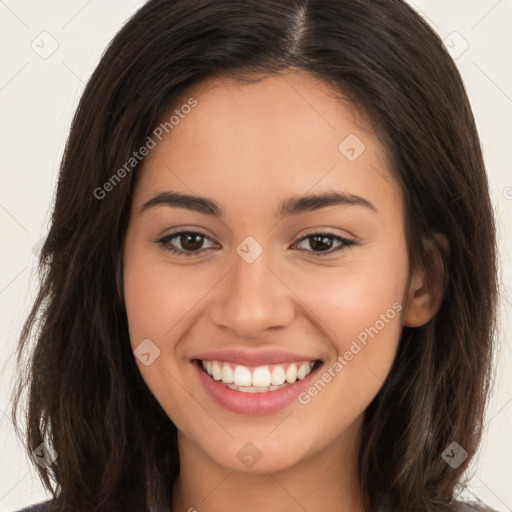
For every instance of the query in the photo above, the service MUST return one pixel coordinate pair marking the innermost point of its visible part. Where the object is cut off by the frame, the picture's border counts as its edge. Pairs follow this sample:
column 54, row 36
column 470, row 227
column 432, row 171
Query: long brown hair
column 116, row 447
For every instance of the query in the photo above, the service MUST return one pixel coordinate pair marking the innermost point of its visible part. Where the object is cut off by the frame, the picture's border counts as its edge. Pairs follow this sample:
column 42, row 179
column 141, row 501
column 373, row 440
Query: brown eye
column 186, row 243
column 323, row 243
column 191, row 241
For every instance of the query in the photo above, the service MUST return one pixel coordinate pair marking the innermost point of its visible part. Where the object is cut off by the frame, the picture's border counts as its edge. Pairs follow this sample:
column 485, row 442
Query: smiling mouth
column 259, row 379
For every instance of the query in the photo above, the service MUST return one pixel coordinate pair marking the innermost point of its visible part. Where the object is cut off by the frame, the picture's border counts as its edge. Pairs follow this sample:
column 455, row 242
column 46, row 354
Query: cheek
column 360, row 310
column 158, row 296
column 160, row 301
column 347, row 299
column 356, row 301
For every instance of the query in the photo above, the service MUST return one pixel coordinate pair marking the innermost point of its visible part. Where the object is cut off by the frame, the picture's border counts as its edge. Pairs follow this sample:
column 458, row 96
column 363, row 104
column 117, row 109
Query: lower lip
column 253, row 404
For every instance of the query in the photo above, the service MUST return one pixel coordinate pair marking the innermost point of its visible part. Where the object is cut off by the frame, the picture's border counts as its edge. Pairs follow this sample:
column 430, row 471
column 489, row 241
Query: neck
column 327, row 480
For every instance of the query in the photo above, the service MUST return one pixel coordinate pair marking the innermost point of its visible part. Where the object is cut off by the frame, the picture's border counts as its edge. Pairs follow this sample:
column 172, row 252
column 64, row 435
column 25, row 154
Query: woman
column 270, row 279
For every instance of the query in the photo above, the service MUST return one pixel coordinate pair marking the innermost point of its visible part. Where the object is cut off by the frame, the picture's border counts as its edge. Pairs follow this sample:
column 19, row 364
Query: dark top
column 463, row 507
column 40, row 507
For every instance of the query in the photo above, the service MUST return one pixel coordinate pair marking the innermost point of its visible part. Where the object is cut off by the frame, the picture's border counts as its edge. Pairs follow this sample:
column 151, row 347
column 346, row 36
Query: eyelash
column 344, row 241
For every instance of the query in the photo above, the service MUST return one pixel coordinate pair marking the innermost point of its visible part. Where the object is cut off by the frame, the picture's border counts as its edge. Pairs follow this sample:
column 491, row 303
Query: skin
column 248, row 147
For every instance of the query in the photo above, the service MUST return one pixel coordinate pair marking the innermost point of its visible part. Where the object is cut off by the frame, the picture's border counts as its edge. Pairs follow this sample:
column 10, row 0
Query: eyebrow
column 289, row 207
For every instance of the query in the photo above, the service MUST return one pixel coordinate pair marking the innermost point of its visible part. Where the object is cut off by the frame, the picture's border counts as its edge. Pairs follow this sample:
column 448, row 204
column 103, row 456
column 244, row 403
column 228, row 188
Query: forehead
column 285, row 131
column 294, row 107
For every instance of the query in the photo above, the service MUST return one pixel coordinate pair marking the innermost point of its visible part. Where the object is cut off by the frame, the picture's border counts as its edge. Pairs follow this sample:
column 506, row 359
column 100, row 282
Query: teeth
column 291, row 373
column 303, row 371
column 278, row 375
column 227, row 374
column 216, row 370
column 252, row 389
column 261, row 379
column 242, row 376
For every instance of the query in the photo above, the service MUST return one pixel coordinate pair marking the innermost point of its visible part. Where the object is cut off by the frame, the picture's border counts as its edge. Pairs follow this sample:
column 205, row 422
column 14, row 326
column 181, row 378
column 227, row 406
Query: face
column 251, row 281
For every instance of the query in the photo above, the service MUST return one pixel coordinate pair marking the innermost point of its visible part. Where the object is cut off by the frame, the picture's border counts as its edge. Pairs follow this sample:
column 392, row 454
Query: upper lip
column 253, row 358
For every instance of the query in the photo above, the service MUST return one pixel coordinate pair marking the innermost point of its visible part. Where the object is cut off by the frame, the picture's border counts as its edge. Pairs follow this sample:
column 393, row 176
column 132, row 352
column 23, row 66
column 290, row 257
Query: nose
column 252, row 298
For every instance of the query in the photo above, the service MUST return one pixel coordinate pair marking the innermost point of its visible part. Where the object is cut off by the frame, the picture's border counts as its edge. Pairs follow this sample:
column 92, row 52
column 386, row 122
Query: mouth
column 259, row 379
column 255, row 390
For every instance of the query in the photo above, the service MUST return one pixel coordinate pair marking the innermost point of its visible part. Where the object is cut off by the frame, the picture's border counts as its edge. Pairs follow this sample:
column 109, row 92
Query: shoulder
column 44, row 506
column 474, row 506
column 455, row 506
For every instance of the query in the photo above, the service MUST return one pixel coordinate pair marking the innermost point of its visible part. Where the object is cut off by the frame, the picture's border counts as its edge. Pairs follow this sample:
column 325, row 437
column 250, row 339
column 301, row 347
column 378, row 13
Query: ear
column 426, row 290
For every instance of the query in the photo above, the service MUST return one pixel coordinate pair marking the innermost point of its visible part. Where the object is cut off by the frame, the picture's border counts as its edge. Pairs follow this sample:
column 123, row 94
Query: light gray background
column 38, row 97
